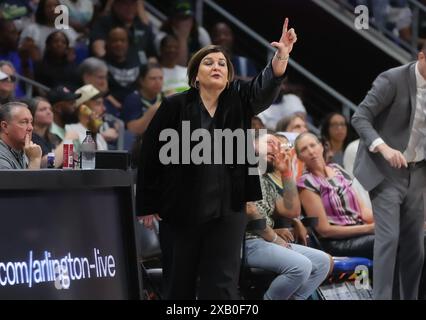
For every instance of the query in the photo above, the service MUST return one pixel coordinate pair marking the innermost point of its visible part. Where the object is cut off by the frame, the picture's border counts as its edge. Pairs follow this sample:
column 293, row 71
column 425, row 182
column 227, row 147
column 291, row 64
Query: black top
column 122, row 76
column 45, row 145
column 58, row 179
column 173, row 189
column 52, row 74
column 213, row 199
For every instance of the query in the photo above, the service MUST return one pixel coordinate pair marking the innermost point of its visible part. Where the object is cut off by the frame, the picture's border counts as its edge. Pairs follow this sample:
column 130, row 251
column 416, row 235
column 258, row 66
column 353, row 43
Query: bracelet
column 282, row 58
column 287, row 175
column 275, row 238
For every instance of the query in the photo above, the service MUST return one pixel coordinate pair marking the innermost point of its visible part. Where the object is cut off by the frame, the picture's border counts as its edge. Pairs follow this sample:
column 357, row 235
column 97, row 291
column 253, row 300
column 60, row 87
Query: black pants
column 209, row 252
column 361, row 246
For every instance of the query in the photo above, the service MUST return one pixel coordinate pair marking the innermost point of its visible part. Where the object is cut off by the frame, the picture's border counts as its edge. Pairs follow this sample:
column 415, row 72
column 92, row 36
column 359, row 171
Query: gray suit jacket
column 386, row 112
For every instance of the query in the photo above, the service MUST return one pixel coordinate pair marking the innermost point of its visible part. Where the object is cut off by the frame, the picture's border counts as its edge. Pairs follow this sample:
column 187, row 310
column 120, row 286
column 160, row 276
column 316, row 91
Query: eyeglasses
column 337, row 125
column 9, row 79
column 286, row 146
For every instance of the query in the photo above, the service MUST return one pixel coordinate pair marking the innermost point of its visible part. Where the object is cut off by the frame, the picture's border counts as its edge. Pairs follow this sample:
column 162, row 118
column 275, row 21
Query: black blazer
column 170, row 190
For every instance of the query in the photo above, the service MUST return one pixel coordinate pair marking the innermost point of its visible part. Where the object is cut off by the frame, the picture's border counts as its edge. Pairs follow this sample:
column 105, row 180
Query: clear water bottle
column 88, row 152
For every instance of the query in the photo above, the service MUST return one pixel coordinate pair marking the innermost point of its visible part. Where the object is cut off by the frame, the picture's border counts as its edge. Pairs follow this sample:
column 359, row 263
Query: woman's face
column 310, row 151
column 49, row 10
column 43, row 115
column 58, row 45
column 222, row 35
column 170, row 50
column 338, row 129
column 99, row 79
column 118, row 43
column 153, row 81
column 297, row 125
column 213, row 72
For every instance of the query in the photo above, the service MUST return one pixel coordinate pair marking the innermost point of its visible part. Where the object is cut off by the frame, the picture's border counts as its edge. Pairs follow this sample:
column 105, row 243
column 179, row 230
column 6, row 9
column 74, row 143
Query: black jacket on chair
column 171, row 190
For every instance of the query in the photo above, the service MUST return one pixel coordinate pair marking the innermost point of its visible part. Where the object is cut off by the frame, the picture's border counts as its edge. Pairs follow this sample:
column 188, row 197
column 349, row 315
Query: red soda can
column 68, row 162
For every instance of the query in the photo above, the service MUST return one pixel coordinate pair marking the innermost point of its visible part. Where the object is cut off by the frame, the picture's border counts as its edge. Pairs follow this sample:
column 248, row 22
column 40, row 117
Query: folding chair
column 150, row 260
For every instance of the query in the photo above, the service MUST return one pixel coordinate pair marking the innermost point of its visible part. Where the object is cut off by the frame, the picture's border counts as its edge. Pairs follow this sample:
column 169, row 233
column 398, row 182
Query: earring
column 197, row 84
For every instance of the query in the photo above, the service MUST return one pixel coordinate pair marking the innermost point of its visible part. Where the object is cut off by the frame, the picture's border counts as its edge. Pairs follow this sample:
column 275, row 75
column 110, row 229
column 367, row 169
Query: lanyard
column 146, row 104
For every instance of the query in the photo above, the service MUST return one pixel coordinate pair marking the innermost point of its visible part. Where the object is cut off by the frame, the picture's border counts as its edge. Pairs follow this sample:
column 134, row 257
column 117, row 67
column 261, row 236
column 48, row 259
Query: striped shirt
column 337, row 195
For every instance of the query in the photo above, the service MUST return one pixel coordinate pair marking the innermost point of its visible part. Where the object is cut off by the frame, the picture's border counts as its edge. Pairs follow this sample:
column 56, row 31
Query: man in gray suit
column 390, row 164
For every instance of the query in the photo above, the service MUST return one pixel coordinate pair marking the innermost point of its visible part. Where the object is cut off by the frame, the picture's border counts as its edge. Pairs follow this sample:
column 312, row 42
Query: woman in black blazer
column 202, row 205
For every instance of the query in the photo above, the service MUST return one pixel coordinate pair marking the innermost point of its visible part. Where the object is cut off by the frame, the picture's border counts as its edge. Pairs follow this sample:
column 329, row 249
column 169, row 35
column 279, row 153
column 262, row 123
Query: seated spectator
column 182, row 24
column 124, row 13
column 44, row 25
column 175, row 78
column 345, row 224
column 17, row 151
column 7, row 83
column 95, row 72
column 348, row 164
column 222, row 35
column 334, row 133
column 64, row 109
column 294, row 123
column 56, row 68
column 42, row 113
column 300, row 270
column 140, row 106
column 123, row 64
column 20, row 59
column 284, row 108
column 289, row 127
column 297, row 166
column 90, row 111
column 275, row 176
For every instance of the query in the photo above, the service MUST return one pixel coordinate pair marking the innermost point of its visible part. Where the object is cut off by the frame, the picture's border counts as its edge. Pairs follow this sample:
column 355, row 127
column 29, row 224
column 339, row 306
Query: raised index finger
column 27, row 139
column 285, row 27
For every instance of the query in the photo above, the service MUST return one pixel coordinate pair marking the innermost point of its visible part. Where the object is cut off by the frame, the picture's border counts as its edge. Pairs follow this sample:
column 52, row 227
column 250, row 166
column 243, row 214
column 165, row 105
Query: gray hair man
column 17, row 151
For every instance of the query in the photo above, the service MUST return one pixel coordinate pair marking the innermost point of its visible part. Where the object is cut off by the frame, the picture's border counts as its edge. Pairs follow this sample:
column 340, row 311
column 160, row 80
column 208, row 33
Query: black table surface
column 63, row 179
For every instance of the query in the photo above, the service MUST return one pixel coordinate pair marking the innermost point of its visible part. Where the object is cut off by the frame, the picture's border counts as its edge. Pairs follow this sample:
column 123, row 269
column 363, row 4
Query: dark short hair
column 145, row 68
column 7, row 108
column 284, row 123
column 195, row 62
column 119, row 28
